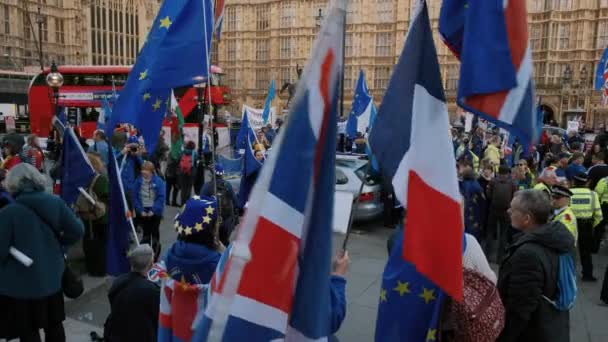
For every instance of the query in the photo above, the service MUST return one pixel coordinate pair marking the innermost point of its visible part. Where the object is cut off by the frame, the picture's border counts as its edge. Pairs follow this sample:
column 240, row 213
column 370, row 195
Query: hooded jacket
column 474, row 203
column 529, row 272
column 195, row 263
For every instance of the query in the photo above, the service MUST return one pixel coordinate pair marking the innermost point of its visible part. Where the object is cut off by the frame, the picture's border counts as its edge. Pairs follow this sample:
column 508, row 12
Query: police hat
column 581, row 178
column 560, row 191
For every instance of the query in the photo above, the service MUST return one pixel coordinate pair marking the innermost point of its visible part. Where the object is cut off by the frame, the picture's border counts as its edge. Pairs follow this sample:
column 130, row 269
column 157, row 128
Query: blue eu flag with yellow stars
column 410, row 304
column 175, row 54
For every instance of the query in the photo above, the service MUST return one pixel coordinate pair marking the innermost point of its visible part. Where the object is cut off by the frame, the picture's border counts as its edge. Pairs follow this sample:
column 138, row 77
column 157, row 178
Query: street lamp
column 55, row 80
column 319, row 17
column 584, row 75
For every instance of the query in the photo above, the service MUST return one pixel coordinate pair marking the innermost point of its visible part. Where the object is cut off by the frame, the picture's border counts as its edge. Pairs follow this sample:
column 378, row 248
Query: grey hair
column 141, row 258
column 536, row 203
column 24, row 177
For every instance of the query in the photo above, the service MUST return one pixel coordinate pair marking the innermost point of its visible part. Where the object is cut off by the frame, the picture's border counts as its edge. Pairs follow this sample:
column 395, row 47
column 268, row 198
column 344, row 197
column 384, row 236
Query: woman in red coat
column 11, row 156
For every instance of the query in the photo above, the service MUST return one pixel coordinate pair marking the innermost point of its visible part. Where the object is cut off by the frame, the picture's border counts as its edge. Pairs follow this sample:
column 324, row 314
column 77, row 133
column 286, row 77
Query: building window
column 562, row 5
column 384, row 44
column 351, row 13
column 230, row 79
column 27, row 33
column 385, row 10
column 537, row 6
column 451, row 79
column 563, row 37
column 348, row 78
column 285, row 47
column 262, row 17
column 348, row 45
column 285, row 76
column 535, row 37
column 231, row 18
column 556, row 72
column 6, row 17
column 261, row 78
column 59, row 31
column 381, row 75
column 261, row 50
column 602, row 34
column 540, row 69
column 231, row 50
column 288, row 14
column 604, row 4
column 45, row 29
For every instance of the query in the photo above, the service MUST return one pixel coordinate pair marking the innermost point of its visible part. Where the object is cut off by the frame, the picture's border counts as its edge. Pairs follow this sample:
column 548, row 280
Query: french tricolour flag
column 411, row 142
column 275, row 284
column 496, row 76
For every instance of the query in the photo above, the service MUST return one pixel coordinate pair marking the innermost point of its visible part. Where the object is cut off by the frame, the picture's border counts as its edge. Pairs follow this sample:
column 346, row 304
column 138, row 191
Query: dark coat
column 26, row 225
column 474, row 204
column 135, row 303
column 528, row 273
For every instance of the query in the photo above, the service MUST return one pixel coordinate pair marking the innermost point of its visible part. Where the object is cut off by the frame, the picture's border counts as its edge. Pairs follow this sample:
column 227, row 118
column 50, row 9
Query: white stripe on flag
column 429, row 120
column 294, row 335
column 514, row 99
column 259, row 313
column 280, row 213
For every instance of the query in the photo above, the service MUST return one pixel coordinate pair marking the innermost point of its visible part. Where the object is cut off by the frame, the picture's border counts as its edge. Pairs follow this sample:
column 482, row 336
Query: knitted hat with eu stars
column 197, row 216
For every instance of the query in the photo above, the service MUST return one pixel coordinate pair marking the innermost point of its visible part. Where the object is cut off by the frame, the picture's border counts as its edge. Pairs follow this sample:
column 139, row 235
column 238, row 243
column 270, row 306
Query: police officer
column 602, row 191
column 563, row 213
column 546, row 180
column 586, row 207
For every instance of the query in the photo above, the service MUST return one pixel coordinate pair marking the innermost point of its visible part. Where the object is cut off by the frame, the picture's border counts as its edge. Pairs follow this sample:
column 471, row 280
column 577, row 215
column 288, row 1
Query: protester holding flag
column 32, row 154
column 94, row 241
column 149, row 204
column 100, row 146
column 129, row 162
column 186, row 170
column 40, row 225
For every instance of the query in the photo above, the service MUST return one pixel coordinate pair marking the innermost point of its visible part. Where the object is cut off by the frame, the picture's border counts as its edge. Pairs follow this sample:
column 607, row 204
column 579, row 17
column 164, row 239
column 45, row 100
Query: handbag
column 71, row 283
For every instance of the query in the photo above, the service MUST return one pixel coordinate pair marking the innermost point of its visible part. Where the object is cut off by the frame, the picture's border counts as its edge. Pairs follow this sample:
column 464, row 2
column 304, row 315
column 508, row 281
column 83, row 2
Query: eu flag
column 269, row 98
column 410, row 304
column 77, row 171
column 176, row 53
column 360, row 108
column 249, row 174
column 241, row 138
column 117, row 240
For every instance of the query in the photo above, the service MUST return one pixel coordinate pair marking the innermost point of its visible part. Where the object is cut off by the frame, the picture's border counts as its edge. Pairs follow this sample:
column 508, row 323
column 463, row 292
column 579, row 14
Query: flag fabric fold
column 77, row 171
column 288, row 225
column 601, row 76
column 243, row 135
column 119, row 227
column 251, row 167
column 268, row 103
column 176, row 53
column 359, row 117
column 411, row 142
column 177, row 138
column 218, row 18
column 491, row 40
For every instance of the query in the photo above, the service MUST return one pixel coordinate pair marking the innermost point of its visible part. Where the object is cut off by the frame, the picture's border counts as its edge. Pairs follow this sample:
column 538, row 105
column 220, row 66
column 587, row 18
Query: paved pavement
column 368, row 255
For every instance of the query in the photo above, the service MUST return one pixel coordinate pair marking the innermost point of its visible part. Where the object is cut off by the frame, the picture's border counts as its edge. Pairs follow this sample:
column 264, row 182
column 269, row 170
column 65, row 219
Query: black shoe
column 590, row 279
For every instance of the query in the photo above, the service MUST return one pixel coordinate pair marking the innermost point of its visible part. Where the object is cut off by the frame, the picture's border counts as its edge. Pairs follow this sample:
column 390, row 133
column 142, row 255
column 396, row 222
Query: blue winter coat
column 159, row 202
column 130, row 170
column 191, row 262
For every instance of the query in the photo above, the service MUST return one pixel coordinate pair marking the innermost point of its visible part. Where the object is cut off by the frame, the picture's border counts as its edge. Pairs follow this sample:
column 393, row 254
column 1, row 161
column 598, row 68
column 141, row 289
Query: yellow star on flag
column 427, row 295
column 156, row 104
column 402, row 288
column 198, row 227
column 431, row 335
column 146, row 96
column 179, row 229
column 210, row 210
column 188, row 230
column 143, row 75
column 176, row 224
column 196, row 197
column 206, row 219
column 382, row 295
column 165, row 22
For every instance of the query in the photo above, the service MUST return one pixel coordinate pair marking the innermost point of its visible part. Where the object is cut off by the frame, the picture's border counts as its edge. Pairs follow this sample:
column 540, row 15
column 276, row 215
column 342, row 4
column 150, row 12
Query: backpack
column 480, row 316
column 87, row 210
column 185, row 164
column 566, row 283
column 502, row 194
column 225, row 201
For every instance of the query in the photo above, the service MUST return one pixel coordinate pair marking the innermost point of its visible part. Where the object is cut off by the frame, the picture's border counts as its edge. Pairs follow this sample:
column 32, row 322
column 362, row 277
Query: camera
column 133, row 148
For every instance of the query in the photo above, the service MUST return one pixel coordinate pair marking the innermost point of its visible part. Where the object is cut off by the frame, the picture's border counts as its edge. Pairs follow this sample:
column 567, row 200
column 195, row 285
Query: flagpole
column 355, row 204
column 211, row 119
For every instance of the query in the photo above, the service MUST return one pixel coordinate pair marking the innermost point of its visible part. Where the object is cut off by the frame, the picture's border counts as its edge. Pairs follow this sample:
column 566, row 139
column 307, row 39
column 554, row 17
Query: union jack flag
column 218, row 17
column 491, row 39
column 275, row 284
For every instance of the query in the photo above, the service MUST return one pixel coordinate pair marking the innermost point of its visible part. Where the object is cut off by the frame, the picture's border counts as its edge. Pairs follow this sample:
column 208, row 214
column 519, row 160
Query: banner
column 167, row 136
column 256, row 118
column 9, row 121
column 573, row 126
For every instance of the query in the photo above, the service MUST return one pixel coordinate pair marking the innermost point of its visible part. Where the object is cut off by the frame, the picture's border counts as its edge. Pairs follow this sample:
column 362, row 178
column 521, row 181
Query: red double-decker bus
column 85, row 87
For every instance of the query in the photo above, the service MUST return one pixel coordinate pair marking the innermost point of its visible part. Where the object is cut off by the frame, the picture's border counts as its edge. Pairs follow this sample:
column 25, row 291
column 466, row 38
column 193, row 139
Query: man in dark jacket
column 500, row 192
column 529, row 272
column 135, row 301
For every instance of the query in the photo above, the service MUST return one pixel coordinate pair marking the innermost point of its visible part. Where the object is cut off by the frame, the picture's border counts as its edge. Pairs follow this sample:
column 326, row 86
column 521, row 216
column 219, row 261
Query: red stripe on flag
column 269, row 277
column 184, row 306
column 517, row 30
column 433, row 235
column 165, row 321
column 324, row 84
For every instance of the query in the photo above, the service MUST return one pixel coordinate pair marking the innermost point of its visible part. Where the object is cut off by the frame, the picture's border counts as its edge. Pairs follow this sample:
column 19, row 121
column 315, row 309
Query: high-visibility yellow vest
column 602, row 190
column 543, row 187
column 568, row 219
column 585, row 205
